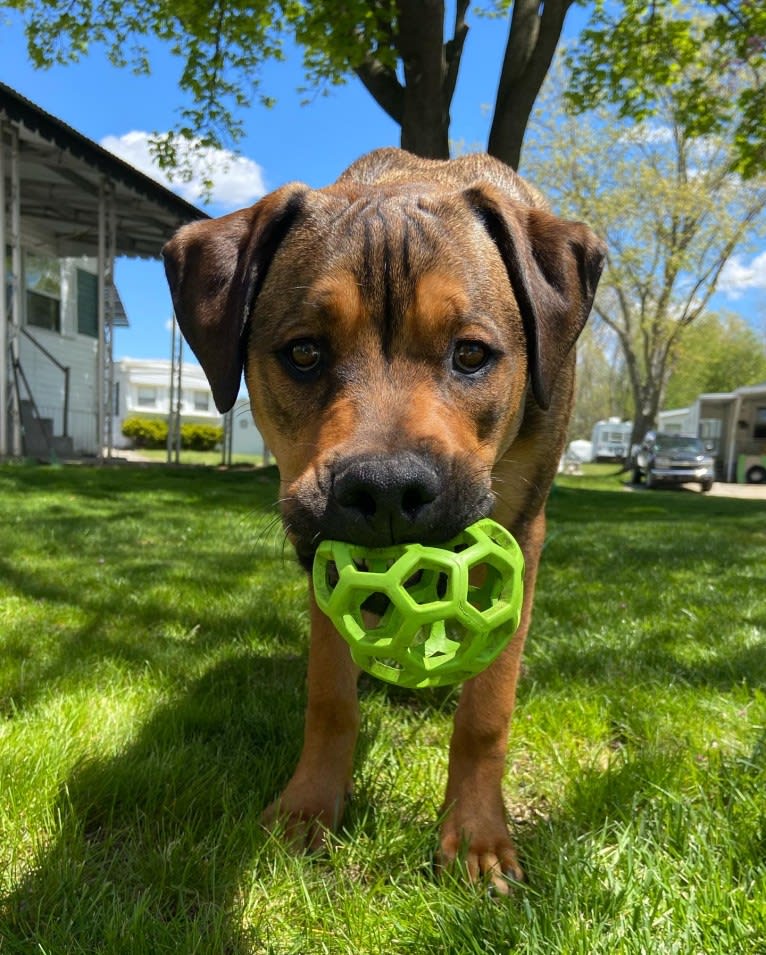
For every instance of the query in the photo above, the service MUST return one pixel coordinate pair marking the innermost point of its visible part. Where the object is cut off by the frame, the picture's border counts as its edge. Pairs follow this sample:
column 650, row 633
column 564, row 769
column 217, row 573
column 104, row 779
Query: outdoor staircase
column 38, row 438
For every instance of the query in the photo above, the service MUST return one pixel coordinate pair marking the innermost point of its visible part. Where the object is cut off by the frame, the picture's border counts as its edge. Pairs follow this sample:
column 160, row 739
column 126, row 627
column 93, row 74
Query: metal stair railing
column 63, row 368
column 18, row 378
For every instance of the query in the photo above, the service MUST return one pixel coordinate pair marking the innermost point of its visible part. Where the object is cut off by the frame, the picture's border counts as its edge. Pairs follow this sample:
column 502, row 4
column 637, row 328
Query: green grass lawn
column 152, row 668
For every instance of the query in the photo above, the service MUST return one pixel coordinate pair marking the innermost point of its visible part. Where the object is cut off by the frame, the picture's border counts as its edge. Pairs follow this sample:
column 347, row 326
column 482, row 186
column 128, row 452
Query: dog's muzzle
column 384, row 499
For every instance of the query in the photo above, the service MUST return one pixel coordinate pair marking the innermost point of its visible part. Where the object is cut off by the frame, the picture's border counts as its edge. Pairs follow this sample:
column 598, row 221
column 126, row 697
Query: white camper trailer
column 611, row 440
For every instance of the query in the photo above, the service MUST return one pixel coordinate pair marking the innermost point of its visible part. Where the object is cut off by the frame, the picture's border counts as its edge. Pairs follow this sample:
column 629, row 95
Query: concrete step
column 39, row 439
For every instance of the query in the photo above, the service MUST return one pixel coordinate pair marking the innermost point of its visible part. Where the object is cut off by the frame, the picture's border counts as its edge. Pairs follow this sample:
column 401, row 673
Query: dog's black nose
column 384, row 499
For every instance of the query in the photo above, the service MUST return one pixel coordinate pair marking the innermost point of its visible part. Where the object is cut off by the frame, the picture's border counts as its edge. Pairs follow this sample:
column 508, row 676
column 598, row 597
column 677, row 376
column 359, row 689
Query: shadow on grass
column 148, row 849
column 166, row 557
column 102, row 482
column 652, row 658
column 154, row 849
column 138, row 633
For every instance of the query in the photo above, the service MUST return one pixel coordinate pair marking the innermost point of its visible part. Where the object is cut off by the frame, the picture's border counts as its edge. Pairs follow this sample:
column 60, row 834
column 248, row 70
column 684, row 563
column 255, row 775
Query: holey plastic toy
column 421, row 616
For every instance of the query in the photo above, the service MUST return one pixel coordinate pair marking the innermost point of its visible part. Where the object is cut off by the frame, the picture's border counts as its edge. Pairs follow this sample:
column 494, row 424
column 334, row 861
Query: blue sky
column 290, row 141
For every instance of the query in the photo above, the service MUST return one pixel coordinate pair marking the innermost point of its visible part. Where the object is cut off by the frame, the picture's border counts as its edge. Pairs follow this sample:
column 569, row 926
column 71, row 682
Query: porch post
column 731, row 463
column 171, row 387
column 111, row 305
column 3, row 307
column 15, row 317
column 100, row 350
column 179, row 397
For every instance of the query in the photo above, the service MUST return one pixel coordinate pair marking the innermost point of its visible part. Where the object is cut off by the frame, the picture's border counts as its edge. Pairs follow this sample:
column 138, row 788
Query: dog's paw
column 305, row 818
column 483, row 850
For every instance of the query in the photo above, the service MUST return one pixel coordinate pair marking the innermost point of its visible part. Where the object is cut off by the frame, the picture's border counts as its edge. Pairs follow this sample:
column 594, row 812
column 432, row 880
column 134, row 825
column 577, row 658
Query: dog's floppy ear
column 553, row 267
column 215, row 269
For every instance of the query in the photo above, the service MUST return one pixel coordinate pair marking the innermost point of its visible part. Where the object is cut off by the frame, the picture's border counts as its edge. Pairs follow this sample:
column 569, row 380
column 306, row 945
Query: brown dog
column 407, row 339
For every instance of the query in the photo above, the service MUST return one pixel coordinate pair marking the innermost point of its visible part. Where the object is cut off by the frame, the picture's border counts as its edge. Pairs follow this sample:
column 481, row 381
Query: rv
column 733, row 425
column 611, row 440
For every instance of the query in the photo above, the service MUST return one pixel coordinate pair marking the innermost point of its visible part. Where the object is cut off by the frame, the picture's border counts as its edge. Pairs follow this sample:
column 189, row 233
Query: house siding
column 246, row 439
column 73, row 350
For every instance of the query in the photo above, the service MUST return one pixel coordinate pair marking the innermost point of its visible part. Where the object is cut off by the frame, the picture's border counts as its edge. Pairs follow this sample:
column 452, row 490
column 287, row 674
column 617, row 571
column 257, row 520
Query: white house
column 733, row 424
column 142, row 387
column 245, row 436
column 68, row 208
column 58, row 352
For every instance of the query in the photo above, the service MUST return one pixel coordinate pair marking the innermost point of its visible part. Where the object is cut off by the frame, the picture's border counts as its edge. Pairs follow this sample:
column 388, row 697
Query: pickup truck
column 673, row 459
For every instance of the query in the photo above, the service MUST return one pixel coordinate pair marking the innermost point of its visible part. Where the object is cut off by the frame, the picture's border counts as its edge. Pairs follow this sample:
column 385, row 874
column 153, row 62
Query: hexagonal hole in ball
column 486, row 586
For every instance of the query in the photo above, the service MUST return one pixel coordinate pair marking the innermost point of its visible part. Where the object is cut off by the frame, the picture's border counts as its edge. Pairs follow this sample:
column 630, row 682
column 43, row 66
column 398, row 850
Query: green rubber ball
column 423, row 616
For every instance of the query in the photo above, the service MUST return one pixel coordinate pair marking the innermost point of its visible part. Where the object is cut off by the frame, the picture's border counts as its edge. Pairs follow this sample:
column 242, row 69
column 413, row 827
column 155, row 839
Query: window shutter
column 87, row 303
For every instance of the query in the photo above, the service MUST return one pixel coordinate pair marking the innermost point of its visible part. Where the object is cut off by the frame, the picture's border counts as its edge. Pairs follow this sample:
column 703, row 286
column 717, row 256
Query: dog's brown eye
column 469, row 357
column 304, row 355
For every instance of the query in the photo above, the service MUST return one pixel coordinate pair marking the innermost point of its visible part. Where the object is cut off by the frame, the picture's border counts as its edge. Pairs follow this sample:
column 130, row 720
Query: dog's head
column 389, row 337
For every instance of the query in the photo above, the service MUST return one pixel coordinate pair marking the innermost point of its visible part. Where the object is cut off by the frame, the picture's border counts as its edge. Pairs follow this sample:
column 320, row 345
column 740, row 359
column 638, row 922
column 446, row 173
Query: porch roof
column 745, row 391
column 61, row 173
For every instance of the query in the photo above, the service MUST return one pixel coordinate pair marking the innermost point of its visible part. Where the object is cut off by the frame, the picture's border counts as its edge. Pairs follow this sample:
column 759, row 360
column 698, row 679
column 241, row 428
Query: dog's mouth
column 380, row 501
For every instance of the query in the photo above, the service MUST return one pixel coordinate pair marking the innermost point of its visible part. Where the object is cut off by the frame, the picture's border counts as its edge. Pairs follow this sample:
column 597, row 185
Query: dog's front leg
column 314, row 800
column 475, row 829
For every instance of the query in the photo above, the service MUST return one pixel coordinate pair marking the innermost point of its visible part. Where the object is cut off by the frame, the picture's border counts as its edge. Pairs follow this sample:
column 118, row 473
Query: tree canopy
column 404, row 52
column 671, row 175
column 672, row 211
column 711, row 56
column 718, row 353
column 407, row 53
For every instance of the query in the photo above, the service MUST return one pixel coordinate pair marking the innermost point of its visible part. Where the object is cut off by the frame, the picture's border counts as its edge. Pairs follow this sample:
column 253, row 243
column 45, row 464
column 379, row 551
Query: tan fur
column 385, row 273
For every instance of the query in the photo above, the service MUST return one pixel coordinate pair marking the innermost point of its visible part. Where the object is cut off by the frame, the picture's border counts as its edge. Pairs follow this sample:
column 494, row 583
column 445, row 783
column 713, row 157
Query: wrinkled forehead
column 381, row 254
column 396, row 229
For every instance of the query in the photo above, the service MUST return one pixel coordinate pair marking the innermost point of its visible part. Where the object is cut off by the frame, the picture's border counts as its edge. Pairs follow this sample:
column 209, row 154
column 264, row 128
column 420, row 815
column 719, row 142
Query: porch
column 68, row 209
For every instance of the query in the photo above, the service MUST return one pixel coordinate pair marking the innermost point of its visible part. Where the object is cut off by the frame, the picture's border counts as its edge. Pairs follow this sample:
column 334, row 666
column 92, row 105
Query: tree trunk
column 646, row 400
column 532, row 40
column 425, row 115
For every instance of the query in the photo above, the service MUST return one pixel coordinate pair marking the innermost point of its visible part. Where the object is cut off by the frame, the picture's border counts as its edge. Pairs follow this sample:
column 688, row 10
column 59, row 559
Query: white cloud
column 738, row 276
column 237, row 181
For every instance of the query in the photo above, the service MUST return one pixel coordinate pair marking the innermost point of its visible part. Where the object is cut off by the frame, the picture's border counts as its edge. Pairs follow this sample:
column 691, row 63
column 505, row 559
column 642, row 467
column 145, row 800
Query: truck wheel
column 756, row 475
column 706, row 486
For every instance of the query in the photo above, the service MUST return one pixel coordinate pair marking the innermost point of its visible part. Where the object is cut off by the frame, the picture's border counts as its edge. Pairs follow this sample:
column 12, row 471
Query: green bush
column 200, row 437
column 153, row 433
column 146, row 432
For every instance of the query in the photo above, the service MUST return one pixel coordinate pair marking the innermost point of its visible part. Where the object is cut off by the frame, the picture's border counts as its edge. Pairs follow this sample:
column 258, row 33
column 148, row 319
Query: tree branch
column 382, row 84
column 453, row 51
column 532, row 40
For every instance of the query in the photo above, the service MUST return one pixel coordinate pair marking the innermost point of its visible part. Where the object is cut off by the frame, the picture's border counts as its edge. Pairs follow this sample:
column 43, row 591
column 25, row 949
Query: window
column 146, row 396
column 710, row 428
column 759, row 431
column 666, row 442
column 87, row 303
column 42, row 280
column 201, row 401
column 710, row 432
